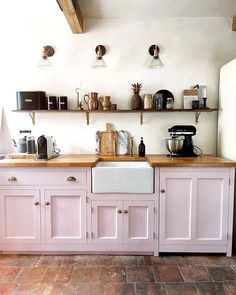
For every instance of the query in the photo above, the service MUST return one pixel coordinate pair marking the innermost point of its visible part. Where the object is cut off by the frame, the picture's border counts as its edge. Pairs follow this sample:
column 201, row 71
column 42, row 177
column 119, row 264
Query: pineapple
column 136, row 100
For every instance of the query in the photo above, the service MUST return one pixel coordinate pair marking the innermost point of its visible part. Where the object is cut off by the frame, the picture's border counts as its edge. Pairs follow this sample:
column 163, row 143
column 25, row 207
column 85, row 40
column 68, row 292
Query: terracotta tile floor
column 117, row 275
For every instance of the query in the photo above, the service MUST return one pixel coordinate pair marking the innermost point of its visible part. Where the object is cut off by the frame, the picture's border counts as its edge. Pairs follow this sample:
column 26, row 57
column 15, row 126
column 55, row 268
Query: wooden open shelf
column 141, row 112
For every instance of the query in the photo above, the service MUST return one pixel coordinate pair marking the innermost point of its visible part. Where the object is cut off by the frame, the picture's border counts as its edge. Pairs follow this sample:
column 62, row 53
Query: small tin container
column 62, row 102
column 52, row 103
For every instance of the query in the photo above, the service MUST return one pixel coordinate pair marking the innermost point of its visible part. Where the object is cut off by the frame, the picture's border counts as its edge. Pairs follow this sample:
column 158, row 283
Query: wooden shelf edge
column 118, row 111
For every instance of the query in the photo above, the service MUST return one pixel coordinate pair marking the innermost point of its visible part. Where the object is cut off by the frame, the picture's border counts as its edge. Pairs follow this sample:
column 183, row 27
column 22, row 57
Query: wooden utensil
column 107, row 141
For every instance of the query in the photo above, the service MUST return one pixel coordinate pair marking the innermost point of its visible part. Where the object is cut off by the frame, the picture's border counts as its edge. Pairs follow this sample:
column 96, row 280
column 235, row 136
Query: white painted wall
column 193, row 50
column 227, row 105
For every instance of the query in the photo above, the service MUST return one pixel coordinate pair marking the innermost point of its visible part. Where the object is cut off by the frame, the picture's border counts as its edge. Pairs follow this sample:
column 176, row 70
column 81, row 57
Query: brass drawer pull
column 12, row 179
column 36, row 203
column 71, row 178
column 126, row 211
column 162, row 191
column 119, row 211
column 47, row 203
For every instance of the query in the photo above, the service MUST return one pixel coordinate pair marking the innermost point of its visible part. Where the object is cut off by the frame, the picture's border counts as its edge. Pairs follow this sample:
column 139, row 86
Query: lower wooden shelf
column 197, row 112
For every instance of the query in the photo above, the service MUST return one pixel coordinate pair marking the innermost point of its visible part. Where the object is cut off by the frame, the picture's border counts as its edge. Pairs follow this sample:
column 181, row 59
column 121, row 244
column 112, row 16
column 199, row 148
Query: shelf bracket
column 87, row 117
column 197, row 114
column 32, row 116
column 141, row 118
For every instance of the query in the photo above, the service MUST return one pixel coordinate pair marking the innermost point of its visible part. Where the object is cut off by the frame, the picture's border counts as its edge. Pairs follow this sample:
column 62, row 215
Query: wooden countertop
column 90, row 160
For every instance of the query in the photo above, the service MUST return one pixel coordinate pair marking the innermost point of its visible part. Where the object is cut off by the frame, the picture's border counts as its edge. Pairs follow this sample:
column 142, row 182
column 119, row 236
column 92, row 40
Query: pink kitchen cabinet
column 196, row 209
column 122, row 222
column 65, row 216
column 20, row 216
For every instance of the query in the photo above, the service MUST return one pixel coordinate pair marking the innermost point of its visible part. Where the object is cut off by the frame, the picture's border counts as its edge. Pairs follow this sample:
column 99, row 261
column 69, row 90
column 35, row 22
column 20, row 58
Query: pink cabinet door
column 175, row 208
column 138, row 222
column 212, row 205
column 20, row 216
column 65, row 216
column 106, row 222
column 194, row 207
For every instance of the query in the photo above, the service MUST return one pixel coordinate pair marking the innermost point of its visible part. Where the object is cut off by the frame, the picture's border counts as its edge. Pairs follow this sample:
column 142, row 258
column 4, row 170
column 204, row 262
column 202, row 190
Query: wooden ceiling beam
column 234, row 23
column 73, row 14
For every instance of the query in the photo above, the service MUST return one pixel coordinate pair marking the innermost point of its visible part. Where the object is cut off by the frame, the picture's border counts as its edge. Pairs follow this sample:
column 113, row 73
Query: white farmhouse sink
column 122, row 177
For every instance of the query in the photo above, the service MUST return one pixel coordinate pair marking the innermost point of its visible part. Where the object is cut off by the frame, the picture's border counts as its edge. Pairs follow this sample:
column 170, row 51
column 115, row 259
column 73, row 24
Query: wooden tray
column 107, row 142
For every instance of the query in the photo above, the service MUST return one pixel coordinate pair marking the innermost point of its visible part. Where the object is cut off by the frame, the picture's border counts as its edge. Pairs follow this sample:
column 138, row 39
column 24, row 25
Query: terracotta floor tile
column 112, row 274
column 210, row 260
column 57, row 275
column 7, row 288
column 19, row 260
column 88, row 289
column 100, row 260
column 194, row 273
column 167, row 273
column 120, row 289
column 75, row 260
column 30, row 275
column 181, row 289
column 124, row 260
column 231, row 286
column 30, row 289
column 85, row 274
column 60, row 289
column 212, row 288
column 221, row 273
column 50, row 260
column 8, row 274
column 150, row 289
column 141, row 273
column 169, row 260
column 144, row 260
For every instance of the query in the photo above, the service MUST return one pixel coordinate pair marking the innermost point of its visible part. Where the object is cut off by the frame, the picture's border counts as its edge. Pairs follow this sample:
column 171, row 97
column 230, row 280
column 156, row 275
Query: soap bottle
column 141, row 148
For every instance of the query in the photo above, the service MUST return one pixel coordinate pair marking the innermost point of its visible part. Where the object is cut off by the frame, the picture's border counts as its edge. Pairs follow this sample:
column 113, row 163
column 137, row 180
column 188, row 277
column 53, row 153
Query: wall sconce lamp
column 99, row 61
column 47, row 52
column 156, row 61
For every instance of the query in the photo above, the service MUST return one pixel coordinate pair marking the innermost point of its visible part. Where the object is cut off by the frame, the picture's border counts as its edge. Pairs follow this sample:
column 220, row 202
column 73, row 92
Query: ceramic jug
column 92, row 101
column 105, row 102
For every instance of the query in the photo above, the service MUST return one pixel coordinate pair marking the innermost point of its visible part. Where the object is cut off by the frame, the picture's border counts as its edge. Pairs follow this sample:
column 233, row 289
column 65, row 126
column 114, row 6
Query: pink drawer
column 17, row 177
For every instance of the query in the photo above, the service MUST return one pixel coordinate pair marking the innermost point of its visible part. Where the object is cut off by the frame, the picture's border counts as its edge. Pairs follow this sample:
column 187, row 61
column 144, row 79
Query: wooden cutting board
column 107, row 142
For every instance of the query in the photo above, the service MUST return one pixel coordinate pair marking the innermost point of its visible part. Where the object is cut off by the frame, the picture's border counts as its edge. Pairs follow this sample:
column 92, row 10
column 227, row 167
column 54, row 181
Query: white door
column 65, row 212
column 106, row 222
column 20, row 216
column 138, row 222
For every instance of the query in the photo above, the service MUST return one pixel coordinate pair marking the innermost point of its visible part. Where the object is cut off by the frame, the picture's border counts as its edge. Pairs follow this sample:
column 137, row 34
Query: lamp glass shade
column 99, row 63
column 156, row 63
column 44, row 63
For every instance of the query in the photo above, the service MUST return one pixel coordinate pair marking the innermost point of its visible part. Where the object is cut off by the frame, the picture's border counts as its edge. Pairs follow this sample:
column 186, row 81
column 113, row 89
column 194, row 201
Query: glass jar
column 169, row 103
column 158, row 101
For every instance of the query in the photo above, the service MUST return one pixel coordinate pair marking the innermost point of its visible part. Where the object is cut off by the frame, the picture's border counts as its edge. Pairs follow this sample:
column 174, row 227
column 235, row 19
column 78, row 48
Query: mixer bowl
column 174, row 145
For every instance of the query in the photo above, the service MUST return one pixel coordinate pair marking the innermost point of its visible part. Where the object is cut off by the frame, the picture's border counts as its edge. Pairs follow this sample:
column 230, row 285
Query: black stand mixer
column 181, row 147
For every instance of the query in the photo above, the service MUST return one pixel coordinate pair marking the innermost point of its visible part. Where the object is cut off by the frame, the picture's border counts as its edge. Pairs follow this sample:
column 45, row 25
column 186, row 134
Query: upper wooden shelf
column 87, row 112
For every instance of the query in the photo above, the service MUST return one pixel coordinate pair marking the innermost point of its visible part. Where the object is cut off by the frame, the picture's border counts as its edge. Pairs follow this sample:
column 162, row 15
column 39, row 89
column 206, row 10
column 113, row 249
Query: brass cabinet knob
column 71, row 178
column 47, row 203
column 126, row 211
column 12, row 179
column 119, row 211
column 36, row 203
column 162, row 190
